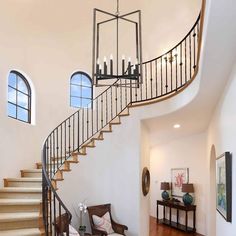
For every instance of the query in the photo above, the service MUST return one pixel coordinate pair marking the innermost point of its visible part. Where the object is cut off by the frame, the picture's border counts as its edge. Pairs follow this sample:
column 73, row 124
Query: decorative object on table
column 187, row 198
column 100, row 211
column 179, row 176
column 224, row 185
column 145, row 181
column 82, row 210
column 110, row 27
column 165, row 187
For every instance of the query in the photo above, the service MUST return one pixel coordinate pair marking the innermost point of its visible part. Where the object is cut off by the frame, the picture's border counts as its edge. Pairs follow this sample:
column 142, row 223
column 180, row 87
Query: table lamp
column 187, row 198
column 165, row 195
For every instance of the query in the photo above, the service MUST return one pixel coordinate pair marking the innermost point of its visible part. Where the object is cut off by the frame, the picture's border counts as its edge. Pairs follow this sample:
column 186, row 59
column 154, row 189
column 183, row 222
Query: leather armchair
column 101, row 210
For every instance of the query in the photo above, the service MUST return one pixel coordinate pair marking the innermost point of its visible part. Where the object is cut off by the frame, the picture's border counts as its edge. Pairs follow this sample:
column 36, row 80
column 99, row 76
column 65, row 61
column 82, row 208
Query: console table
column 179, row 207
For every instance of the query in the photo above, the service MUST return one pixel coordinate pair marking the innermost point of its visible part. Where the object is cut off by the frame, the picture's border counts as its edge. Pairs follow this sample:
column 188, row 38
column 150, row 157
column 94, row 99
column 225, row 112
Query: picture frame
column 224, row 186
column 179, row 176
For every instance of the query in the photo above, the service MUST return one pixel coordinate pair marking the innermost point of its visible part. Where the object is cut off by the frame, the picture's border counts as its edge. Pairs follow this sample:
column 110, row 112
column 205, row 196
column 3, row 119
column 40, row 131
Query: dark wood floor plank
column 162, row 230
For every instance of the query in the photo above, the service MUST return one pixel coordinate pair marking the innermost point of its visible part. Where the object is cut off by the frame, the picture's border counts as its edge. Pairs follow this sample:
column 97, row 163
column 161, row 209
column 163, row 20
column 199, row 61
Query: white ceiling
column 217, row 60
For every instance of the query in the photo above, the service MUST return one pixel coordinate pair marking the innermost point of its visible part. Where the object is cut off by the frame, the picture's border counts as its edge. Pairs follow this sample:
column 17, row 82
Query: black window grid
column 16, row 90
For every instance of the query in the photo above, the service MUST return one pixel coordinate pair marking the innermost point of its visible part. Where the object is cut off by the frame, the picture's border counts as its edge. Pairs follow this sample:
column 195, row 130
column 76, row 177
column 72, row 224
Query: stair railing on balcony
column 164, row 76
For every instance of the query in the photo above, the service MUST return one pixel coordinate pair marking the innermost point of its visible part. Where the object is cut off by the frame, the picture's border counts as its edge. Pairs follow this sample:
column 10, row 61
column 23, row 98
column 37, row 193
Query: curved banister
column 163, row 76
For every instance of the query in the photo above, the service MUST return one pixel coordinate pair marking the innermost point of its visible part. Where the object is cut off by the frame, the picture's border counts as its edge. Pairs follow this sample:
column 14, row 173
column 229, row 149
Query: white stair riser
column 24, row 184
column 19, row 208
column 19, row 224
column 18, row 195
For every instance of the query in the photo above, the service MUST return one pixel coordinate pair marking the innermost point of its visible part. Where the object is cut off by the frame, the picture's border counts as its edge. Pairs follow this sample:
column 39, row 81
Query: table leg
column 157, row 213
column 170, row 216
column 194, row 221
column 164, row 213
column 186, row 220
column 177, row 216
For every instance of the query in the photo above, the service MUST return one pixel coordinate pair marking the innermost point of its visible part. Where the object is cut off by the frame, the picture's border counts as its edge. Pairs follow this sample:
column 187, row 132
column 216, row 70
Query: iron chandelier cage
column 117, row 68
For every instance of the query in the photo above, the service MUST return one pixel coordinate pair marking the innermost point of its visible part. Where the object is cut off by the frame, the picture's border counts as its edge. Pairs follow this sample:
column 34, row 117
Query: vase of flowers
column 82, row 210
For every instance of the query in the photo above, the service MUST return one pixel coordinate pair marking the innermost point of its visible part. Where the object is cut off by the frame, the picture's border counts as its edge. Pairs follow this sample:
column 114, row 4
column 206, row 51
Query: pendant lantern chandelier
column 119, row 38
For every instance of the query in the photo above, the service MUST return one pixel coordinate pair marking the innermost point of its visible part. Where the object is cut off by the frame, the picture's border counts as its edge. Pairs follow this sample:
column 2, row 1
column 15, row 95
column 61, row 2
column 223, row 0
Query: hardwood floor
column 162, row 230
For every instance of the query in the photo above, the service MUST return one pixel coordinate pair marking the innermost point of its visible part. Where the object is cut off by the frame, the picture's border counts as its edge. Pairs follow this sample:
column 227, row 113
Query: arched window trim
column 88, row 77
column 29, row 95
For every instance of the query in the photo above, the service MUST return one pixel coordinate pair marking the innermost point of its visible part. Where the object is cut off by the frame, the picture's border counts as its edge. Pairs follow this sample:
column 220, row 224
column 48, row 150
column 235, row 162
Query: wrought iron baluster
column 190, row 55
column 106, row 109
column 87, row 123
column 102, row 111
column 185, row 58
column 151, row 77
column 166, row 74
column 156, row 77
column 82, row 125
column 181, row 64
column 194, row 49
column 161, row 78
column 176, row 70
column 146, row 89
column 97, row 112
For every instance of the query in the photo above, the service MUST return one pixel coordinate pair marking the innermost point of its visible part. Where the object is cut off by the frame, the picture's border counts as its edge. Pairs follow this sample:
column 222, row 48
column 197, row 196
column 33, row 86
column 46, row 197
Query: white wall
column 222, row 134
column 188, row 152
column 145, row 162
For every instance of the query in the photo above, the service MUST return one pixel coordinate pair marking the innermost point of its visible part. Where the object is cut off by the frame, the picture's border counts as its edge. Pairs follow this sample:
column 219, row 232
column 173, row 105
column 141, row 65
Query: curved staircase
column 26, row 208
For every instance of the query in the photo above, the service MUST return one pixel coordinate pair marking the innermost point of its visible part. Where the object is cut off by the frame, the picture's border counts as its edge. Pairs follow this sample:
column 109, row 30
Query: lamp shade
column 187, row 188
column 165, row 186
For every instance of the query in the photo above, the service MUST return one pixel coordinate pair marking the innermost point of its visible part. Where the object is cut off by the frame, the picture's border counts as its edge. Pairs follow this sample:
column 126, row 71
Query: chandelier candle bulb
column 123, row 64
column 105, row 65
column 111, row 64
column 129, row 66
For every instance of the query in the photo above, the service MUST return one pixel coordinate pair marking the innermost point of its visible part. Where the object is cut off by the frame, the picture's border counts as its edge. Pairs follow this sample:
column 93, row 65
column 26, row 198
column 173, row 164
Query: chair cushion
column 103, row 223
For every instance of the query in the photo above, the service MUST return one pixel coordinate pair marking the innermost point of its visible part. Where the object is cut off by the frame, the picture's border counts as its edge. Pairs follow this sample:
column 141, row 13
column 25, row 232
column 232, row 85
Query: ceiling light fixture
column 177, row 126
column 112, row 33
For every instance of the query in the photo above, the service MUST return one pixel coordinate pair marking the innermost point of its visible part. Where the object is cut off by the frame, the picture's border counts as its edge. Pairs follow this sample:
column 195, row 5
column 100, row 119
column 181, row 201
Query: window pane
column 86, row 92
column 76, row 90
column 11, row 110
column 12, row 80
column 86, row 81
column 11, row 95
column 22, row 114
column 76, row 79
column 86, row 103
column 75, row 102
column 22, row 100
column 22, row 86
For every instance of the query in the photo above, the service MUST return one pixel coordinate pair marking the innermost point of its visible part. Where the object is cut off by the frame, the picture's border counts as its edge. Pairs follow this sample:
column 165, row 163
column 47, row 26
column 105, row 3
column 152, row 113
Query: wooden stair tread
column 8, row 217
column 9, row 201
column 21, row 232
column 20, row 189
column 24, row 179
column 33, row 170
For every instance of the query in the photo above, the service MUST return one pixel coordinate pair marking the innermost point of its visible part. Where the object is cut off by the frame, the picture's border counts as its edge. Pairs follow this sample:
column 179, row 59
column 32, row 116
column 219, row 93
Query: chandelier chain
column 118, row 8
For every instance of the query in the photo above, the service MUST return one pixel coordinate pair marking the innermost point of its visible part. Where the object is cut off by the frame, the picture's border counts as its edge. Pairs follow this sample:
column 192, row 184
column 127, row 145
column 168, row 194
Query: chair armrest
column 118, row 228
column 98, row 232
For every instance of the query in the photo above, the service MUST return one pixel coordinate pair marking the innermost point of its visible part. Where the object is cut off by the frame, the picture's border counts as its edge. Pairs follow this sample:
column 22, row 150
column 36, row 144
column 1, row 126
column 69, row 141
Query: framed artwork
column 179, row 176
column 224, row 185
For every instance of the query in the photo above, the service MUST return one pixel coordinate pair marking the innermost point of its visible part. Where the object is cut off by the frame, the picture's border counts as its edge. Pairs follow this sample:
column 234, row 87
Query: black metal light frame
column 131, row 75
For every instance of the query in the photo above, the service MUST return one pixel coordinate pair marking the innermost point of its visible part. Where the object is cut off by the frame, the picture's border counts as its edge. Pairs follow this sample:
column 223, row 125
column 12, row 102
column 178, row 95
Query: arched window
column 80, row 90
column 19, row 97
